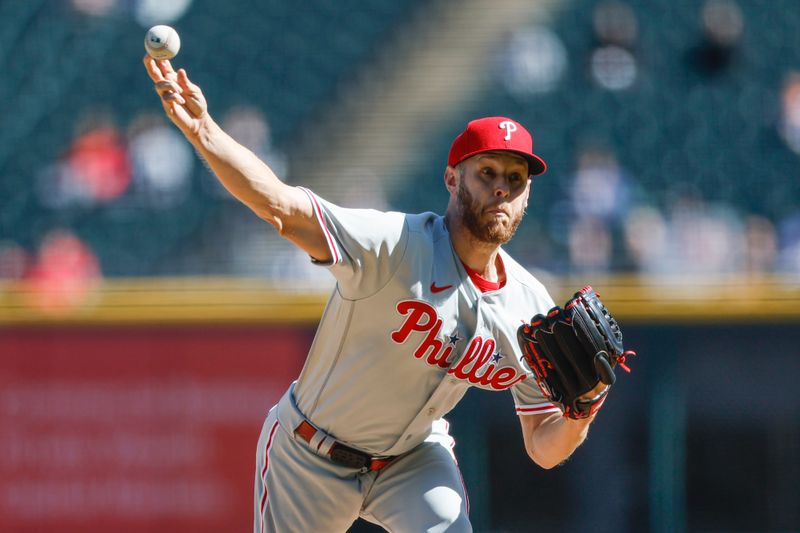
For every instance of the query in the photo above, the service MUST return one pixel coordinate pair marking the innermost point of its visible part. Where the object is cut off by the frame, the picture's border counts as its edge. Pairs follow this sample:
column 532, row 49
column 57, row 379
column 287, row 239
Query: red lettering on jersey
column 422, row 317
column 477, row 354
column 430, row 342
column 440, row 360
column 435, row 346
column 417, row 311
column 505, row 377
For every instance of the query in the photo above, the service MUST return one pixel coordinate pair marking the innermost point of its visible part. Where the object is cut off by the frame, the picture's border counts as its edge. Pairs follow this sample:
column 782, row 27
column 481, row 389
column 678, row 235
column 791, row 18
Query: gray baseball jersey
column 404, row 335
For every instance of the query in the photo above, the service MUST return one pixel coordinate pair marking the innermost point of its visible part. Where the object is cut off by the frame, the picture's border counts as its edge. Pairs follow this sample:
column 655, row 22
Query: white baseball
column 162, row 42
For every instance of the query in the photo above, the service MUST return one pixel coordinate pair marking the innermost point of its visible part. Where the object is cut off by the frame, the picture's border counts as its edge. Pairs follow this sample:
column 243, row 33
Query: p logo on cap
column 510, row 128
column 496, row 133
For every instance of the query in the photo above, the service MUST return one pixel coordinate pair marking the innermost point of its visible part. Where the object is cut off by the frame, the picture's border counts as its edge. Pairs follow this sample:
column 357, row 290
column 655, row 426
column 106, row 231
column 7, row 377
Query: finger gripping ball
column 162, row 42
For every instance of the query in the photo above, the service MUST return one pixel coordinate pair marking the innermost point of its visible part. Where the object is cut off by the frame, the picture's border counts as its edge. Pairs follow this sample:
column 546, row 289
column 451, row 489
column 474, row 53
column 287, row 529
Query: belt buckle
column 346, row 456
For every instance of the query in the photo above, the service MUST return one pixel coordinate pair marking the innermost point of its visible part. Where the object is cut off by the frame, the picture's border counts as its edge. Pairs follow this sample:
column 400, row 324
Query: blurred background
column 148, row 320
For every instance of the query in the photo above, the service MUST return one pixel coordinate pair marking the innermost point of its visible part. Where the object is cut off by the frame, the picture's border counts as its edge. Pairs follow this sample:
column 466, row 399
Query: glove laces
column 621, row 360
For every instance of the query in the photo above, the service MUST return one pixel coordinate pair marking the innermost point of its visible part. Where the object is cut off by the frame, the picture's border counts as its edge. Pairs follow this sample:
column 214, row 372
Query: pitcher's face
column 492, row 195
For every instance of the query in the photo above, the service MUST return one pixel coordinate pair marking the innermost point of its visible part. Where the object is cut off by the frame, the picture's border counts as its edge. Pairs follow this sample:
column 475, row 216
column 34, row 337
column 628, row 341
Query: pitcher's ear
column 451, row 178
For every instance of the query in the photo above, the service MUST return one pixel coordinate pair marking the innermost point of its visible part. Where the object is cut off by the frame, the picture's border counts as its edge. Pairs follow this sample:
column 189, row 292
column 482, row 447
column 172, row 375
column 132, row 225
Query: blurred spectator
column 95, row 8
column 533, row 61
column 705, row 239
column 723, row 24
column 599, row 197
column 789, row 241
column 295, row 266
column 789, row 125
column 615, row 23
column 698, row 238
column 99, row 161
column 150, row 12
column 613, row 64
column 64, row 275
column 613, row 68
column 590, row 245
column 600, row 189
column 248, row 250
column 761, row 245
column 162, row 162
column 363, row 190
column 95, row 168
column 647, row 239
column 14, row 261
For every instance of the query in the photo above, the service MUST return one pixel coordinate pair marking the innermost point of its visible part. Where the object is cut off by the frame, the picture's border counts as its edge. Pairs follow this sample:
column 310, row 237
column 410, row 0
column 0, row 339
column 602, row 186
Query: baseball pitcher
column 425, row 306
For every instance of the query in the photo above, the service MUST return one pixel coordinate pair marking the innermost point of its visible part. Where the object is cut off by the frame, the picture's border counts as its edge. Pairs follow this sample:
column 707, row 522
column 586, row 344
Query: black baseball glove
column 572, row 350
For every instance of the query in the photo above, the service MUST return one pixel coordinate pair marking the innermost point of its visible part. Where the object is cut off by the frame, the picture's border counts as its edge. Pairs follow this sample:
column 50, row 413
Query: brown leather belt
column 344, row 455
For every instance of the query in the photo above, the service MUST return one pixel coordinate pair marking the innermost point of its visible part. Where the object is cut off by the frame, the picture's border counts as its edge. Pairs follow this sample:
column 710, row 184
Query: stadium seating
column 62, row 68
column 680, row 128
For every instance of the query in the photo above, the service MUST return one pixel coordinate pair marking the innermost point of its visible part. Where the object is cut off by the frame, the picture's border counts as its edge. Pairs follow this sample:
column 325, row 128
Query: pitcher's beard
column 496, row 231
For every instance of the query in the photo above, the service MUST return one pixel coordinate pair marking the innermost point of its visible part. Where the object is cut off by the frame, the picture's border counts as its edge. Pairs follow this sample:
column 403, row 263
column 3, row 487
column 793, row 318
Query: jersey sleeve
column 528, row 397
column 366, row 245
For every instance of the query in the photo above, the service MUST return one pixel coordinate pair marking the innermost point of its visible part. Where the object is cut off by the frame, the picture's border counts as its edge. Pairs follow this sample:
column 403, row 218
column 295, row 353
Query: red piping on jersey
column 264, row 472
column 537, row 409
column 328, row 236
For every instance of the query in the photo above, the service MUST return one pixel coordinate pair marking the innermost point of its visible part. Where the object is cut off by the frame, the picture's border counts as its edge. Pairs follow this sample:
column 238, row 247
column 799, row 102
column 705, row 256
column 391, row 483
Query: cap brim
column 536, row 164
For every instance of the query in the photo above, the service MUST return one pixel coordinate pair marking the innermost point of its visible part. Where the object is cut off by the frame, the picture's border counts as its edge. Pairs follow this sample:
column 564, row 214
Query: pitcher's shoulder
column 523, row 276
column 422, row 221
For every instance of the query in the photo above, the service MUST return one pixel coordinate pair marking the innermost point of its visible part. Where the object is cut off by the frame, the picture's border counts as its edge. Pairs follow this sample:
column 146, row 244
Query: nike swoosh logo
column 435, row 289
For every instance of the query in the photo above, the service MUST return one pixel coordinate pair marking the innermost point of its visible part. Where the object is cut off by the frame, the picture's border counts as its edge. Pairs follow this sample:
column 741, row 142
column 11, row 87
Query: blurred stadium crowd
column 671, row 128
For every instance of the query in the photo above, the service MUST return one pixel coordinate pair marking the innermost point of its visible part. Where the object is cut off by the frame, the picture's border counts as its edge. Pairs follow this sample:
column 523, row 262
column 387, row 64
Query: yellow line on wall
column 150, row 301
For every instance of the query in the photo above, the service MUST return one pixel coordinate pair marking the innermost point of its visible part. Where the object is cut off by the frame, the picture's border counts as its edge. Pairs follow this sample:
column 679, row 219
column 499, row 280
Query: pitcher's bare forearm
column 251, row 181
column 246, row 177
column 551, row 438
column 239, row 170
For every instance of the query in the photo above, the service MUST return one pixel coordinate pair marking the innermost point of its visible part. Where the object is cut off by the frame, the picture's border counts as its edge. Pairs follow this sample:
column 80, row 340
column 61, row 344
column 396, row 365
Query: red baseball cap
column 496, row 133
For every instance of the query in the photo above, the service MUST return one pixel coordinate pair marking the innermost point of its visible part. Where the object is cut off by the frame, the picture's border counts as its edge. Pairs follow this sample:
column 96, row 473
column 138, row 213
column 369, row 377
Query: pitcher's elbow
column 547, row 463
